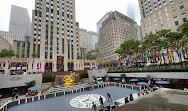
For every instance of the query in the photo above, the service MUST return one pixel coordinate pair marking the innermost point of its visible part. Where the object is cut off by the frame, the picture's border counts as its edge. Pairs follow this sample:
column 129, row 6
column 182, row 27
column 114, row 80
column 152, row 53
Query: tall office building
column 9, row 36
column 85, row 41
column 99, row 23
column 4, row 44
column 162, row 14
column 95, row 37
column 53, row 33
column 116, row 29
column 77, row 38
column 20, row 23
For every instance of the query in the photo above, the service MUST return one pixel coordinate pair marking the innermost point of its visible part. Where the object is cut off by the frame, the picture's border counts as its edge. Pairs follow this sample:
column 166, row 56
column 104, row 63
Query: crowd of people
column 127, row 99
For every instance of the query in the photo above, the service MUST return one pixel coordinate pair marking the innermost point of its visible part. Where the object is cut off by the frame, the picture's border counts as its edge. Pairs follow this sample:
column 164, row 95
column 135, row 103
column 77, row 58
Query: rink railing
column 8, row 105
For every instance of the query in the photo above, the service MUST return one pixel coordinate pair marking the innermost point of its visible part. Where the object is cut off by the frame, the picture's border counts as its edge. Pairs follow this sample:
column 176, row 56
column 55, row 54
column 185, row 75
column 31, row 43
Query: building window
column 182, row 12
column 184, row 19
column 175, row 15
column 176, row 23
column 181, row 7
column 169, row 26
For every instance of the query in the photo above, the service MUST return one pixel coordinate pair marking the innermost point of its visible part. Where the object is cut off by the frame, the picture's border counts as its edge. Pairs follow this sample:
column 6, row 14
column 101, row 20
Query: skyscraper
column 116, row 29
column 20, row 23
column 162, row 14
column 95, row 37
column 53, row 34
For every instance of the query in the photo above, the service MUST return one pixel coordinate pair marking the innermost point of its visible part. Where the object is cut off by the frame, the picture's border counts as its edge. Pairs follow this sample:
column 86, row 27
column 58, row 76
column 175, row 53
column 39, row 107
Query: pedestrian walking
column 101, row 102
column 109, row 97
column 94, row 107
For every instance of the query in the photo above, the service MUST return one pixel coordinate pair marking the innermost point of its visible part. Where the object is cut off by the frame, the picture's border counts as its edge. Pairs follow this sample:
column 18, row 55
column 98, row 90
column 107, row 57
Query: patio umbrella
column 1, row 95
column 33, row 88
column 116, row 79
column 162, row 82
column 133, row 80
column 143, row 83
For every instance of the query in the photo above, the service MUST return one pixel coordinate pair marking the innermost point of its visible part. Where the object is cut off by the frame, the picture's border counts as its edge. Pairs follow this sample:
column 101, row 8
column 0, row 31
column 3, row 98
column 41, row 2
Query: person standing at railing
column 126, row 99
column 131, row 97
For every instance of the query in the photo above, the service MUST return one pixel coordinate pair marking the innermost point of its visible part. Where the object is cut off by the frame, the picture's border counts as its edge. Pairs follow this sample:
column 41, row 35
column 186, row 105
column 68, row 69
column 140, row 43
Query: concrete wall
column 19, row 80
column 170, row 75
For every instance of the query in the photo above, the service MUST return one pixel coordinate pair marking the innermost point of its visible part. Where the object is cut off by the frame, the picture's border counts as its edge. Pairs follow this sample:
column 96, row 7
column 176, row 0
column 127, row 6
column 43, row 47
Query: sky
column 88, row 12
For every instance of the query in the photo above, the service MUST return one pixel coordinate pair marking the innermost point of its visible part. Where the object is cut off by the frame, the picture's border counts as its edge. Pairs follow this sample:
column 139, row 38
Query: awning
column 162, row 82
column 99, row 78
column 133, row 80
column 33, row 88
column 143, row 83
column 116, row 79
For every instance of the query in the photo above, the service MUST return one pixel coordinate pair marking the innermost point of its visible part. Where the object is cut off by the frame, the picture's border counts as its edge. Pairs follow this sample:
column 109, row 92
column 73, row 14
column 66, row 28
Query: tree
column 34, row 55
column 23, row 53
column 184, row 28
column 17, row 55
column 5, row 53
column 79, row 57
column 30, row 84
column 128, row 48
column 89, row 56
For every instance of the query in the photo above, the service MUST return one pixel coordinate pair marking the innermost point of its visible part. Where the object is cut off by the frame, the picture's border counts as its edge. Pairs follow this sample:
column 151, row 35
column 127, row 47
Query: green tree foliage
column 5, row 53
column 128, row 48
column 89, row 56
column 79, row 57
column 30, row 84
column 23, row 53
column 184, row 28
column 35, row 55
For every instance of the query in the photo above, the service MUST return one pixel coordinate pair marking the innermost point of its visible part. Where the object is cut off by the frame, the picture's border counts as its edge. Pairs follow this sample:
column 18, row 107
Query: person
column 109, row 97
column 115, row 105
column 94, row 107
column 101, row 102
column 142, row 87
column 126, row 99
column 131, row 97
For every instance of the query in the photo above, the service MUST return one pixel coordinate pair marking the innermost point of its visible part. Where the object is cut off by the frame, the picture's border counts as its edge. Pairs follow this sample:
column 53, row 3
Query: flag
column 2, row 66
column 9, row 64
column 32, row 65
column 182, row 51
column 153, row 56
column 163, row 55
column 40, row 65
column 45, row 65
column 177, row 51
column 48, row 65
column 37, row 65
column 53, row 65
column 167, row 53
column 27, row 66
column 187, row 53
column 16, row 65
column 21, row 65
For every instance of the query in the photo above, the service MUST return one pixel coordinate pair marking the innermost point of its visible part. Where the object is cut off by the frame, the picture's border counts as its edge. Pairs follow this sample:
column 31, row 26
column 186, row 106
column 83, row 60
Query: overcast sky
column 88, row 12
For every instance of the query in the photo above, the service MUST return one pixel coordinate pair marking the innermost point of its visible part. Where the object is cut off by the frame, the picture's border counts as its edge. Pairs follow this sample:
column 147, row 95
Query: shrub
column 46, row 79
column 30, row 84
column 85, row 75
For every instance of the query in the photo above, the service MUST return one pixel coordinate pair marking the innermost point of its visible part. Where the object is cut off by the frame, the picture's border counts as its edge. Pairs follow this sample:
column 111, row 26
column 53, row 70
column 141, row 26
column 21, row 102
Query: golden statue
column 69, row 79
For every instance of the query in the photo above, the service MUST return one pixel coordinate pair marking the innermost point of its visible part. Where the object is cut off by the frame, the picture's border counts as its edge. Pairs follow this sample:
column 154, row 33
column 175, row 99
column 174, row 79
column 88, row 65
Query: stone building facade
column 53, row 33
column 4, row 44
column 116, row 29
column 162, row 14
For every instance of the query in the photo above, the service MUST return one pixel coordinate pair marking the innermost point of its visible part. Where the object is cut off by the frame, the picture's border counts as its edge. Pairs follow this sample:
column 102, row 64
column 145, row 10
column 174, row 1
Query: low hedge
column 85, row 75
column 153, row 70
column 47, row 79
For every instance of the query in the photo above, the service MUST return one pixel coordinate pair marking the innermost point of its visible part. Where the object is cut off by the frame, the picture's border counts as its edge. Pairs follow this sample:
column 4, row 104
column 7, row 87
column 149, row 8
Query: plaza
column 61, row 103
